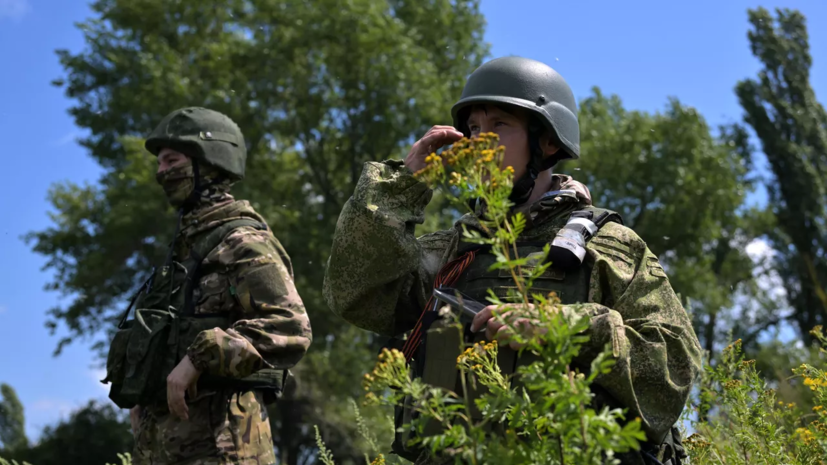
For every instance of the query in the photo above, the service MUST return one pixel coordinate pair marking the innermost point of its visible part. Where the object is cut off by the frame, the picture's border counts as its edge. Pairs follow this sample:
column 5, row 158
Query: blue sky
column 644, row 51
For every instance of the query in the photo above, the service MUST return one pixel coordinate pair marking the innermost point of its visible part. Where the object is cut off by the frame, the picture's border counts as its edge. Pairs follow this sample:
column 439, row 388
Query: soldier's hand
column 496, row 328
column 182, row 379
column 135, row 418
column 435, row 138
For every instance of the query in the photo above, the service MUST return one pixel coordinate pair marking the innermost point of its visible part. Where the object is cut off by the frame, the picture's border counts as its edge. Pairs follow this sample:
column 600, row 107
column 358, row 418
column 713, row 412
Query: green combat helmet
column 205, row 135
column 536, row 87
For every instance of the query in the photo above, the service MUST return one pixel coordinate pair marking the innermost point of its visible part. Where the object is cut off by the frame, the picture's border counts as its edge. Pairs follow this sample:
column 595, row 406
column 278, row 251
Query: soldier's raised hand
column 435, row 138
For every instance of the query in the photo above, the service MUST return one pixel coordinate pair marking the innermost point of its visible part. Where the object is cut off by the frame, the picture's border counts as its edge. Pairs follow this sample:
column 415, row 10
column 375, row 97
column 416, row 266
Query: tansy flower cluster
column 470, row 164
column 390, row 370
column 481, row 360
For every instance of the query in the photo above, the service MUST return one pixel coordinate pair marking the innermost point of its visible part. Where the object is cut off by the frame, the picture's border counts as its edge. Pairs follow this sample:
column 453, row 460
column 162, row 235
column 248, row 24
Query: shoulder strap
column 598, row 216
column 203, row 246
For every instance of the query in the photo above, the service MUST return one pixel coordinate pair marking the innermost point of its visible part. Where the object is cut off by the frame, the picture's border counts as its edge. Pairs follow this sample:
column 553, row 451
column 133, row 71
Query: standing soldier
column 219, row 324
column 380, row 276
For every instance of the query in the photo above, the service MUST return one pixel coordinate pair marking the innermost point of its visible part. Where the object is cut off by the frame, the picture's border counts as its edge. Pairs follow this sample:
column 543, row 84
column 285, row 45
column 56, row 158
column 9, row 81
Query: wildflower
column 818, row 408
column 806, row 435
column 698, row 441
column 732, row 384
column 736, row 345
column 433, row 159
column 814, row 382
column 790, row 405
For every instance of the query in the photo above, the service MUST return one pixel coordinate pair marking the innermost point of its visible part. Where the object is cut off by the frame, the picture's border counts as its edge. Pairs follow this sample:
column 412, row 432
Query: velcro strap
column 584, row 224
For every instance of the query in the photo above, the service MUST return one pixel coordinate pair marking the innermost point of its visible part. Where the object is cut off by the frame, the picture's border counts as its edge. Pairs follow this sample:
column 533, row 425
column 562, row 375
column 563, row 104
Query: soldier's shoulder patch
column 619, row 244
column 654, row 267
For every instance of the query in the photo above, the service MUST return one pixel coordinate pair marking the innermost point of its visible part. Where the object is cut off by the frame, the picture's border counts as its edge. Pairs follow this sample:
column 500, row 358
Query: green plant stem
column 579, row 405
column 465, row 399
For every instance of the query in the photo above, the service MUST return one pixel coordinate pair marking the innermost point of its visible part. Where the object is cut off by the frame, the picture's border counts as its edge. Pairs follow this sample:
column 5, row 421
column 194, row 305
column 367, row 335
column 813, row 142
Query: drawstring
column 447, row 276
column 168, row 261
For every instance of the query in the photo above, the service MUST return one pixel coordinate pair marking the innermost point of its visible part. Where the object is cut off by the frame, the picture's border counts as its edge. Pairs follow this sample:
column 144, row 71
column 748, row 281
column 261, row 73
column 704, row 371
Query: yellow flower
column 732, row 384
column 814, row 382
column 806, row 435
column 790, row 405
column 818, row 408
column 737, row 343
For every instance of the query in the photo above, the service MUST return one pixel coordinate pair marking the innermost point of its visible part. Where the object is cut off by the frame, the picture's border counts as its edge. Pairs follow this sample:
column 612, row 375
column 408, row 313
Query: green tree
column 94, row 434
column 317, row 87
column 12, row 420
column 782, row 109
column 677, row 185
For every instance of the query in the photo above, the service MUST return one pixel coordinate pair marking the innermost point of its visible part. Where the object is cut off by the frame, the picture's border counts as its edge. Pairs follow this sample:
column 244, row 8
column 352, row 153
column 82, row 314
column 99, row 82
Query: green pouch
column 148, row 360
column 116, row 364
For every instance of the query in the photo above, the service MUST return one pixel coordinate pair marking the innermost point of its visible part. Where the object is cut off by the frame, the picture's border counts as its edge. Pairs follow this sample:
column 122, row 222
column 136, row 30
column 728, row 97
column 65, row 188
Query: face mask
column 178, row 183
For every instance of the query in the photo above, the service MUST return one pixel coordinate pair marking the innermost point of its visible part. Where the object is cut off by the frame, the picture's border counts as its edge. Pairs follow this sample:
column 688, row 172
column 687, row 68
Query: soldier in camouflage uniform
column 218, row 326
column 380, row 276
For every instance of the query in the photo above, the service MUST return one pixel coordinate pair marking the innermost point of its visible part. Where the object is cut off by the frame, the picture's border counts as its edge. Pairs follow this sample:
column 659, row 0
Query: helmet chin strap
column 524, row 187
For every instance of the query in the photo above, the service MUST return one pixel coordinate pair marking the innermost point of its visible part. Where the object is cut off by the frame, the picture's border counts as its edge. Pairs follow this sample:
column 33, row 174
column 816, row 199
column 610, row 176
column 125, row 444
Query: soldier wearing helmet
column 379, row 275
column 218, row 325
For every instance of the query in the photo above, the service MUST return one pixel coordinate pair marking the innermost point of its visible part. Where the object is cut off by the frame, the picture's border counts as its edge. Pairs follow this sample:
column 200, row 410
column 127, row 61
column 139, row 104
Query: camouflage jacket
column 253, row 282
column 379, row 276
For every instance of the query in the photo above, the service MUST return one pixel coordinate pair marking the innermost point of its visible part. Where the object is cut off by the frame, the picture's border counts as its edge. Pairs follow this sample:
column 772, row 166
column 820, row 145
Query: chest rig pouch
column 436, row 357
column 147, row 348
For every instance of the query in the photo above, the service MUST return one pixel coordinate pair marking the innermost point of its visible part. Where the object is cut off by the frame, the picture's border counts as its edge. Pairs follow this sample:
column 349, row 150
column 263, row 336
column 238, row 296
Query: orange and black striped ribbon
column 447, row 276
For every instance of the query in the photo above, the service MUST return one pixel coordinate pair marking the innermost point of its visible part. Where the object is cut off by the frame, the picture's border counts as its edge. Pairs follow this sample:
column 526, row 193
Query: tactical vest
column 436, row 359
column 147, row 348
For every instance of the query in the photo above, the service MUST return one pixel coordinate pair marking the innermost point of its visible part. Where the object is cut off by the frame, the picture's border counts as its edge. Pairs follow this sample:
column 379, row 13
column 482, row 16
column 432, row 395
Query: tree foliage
column 12, row 420
column 782, row 109
column 94, row 434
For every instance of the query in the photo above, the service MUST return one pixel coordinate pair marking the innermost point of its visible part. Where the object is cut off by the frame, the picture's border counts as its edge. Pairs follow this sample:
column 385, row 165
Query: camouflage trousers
column 223, row 428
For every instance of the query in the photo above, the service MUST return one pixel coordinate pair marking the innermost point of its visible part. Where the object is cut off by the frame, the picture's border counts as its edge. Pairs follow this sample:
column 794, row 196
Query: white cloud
column 759, row 249
column 768, row 279
column 66, row 139
column 14, row 9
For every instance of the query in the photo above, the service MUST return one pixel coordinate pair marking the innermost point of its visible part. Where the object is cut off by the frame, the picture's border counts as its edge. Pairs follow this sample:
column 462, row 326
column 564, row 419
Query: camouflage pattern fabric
column 224, row 428
column 250, row 277
column 379, row 276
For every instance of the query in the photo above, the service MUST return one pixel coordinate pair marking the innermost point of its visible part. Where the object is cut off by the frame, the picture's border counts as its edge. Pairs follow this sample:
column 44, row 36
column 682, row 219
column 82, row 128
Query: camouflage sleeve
column 271, row 328
column 634, row 311
column 379, row 273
